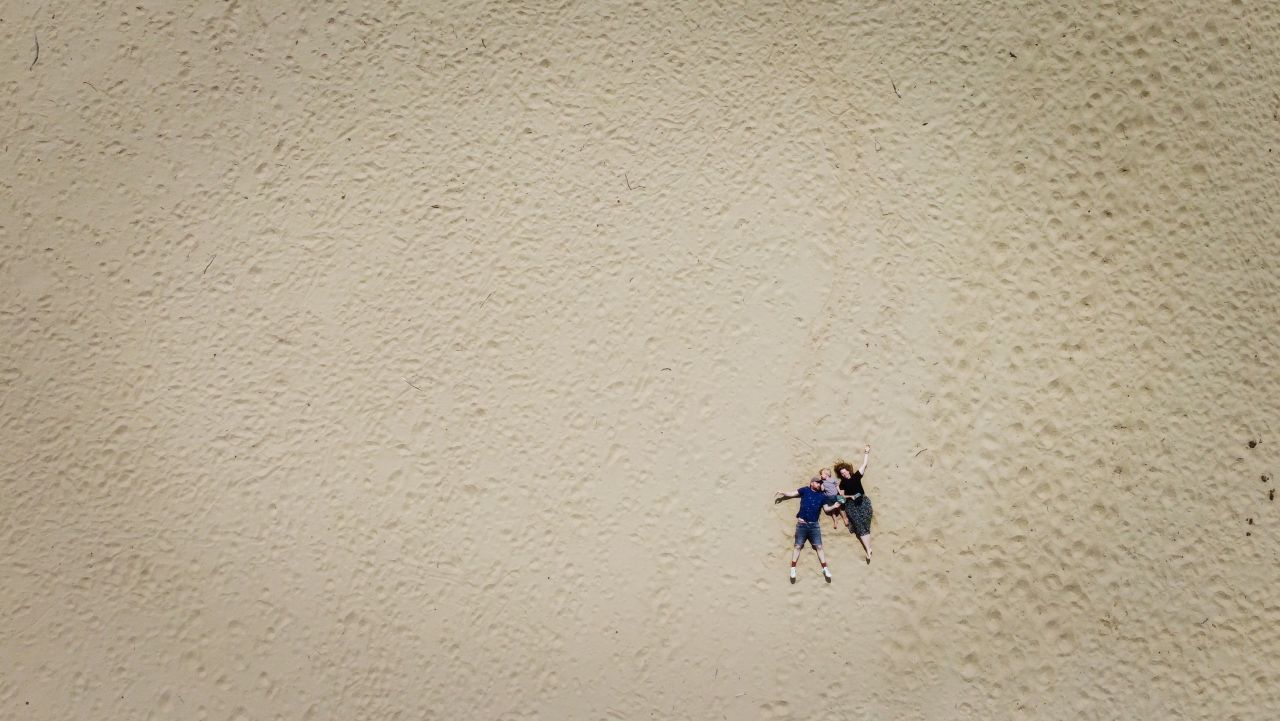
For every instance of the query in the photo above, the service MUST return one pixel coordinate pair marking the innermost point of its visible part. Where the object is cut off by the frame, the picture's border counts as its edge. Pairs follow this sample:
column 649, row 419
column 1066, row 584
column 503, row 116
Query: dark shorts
column 811, row 532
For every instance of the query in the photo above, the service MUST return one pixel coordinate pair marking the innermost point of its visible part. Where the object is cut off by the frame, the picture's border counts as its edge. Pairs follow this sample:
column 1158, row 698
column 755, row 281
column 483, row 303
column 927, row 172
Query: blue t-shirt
column 811, row 503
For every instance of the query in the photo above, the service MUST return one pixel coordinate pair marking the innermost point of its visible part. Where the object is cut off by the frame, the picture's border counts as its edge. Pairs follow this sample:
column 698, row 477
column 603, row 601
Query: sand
column 440, row 361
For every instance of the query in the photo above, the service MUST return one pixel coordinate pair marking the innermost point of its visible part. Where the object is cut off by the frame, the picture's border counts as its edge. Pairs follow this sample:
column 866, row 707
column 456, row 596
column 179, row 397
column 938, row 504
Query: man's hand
column 866, row 449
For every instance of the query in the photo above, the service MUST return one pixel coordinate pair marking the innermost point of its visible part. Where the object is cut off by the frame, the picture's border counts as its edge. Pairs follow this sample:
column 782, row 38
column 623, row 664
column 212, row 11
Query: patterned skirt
column 859, row 513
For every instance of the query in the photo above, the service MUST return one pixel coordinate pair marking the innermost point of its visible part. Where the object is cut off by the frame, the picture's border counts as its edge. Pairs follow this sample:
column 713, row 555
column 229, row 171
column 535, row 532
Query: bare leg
column 866, row 545
column 795, row 556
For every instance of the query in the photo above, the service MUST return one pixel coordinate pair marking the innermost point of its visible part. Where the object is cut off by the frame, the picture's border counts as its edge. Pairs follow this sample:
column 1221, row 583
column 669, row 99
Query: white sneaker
column 793, row 574
column 827, row 572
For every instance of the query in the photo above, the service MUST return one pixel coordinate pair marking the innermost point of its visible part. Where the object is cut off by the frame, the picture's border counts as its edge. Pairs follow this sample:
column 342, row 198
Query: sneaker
column 827, row 572
column 793, row 574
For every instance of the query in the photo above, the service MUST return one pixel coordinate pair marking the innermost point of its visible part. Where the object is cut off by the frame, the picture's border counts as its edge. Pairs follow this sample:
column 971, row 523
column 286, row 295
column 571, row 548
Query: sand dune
column 382, row 362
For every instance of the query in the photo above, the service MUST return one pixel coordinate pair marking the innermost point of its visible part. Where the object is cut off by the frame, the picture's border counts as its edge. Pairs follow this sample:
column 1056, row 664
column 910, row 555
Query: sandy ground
column 378, row 362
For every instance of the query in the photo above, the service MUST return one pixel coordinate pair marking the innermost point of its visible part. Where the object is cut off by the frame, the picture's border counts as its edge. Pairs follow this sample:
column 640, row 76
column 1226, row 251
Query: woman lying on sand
column 857, row 505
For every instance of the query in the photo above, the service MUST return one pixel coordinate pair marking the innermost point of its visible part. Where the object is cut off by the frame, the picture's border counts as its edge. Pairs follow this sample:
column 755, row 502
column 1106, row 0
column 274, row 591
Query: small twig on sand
column 922, row 450
column 895, row 87
column 406, row 380
column 206, row 267
column 37, row 57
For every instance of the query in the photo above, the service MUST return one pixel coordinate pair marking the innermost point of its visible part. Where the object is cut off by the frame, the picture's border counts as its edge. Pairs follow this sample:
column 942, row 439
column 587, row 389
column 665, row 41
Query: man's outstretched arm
column 781, row 496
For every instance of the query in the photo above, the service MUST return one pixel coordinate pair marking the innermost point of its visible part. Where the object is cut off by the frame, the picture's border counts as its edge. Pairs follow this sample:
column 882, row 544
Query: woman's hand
column 866, row 450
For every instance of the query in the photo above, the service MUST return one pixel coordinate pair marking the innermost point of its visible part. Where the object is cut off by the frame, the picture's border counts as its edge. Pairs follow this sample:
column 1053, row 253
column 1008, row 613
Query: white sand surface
column 394, row 360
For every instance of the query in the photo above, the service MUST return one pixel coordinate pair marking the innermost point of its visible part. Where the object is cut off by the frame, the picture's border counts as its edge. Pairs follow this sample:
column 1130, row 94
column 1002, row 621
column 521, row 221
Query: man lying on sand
column 808, row 528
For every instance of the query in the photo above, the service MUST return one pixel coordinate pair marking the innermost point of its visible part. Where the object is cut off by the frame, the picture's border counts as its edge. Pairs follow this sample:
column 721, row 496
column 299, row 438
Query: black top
column 852, row 486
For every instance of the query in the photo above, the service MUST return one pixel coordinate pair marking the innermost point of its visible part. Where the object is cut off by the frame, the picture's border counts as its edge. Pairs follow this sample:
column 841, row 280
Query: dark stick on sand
column 895, row 88
column 37, row 57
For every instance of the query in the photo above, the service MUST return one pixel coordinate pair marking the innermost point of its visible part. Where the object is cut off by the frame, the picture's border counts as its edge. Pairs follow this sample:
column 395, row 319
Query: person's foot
column 868, row 558
column 793, row 574
column 826, row 572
